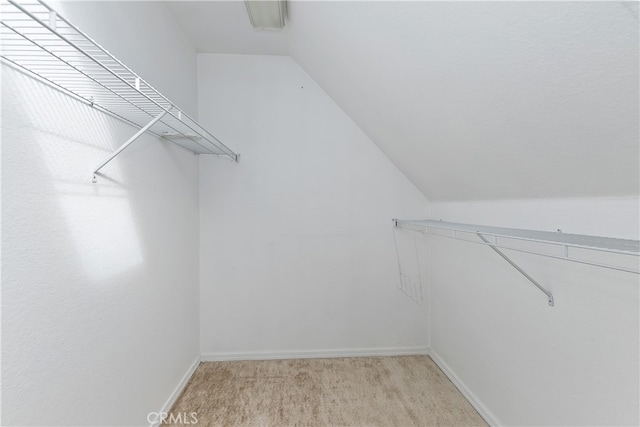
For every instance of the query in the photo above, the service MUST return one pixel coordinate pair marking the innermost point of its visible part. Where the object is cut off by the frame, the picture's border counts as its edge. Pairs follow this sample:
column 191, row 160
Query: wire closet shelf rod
column 564, row 246
column 38, row 40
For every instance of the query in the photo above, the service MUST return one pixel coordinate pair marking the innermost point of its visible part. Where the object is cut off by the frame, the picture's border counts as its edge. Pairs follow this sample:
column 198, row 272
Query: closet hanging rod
column 82, row 100
column 489, row 237
column 38, row 40
column 497, row 235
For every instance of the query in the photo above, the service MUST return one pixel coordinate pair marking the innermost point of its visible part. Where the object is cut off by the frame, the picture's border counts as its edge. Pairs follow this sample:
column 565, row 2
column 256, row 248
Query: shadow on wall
column 90, row 270
column 49, row 150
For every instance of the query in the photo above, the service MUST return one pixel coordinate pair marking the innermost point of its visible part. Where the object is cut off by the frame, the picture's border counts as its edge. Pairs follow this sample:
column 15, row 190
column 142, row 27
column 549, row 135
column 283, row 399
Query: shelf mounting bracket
column 129, row 142
column 514, row 265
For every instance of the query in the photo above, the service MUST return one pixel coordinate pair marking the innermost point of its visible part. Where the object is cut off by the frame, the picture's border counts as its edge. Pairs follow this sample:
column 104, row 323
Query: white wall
column 99, row 281
column 495, row 102
column 527, row 363
column 296, row 242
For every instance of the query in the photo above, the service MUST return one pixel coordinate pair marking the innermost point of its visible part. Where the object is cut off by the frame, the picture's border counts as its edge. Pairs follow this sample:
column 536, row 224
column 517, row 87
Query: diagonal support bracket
column 129, row 142
column 514, row 265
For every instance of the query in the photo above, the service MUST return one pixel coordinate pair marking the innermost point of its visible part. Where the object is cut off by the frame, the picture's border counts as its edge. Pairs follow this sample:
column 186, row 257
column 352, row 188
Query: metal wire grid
column 608, row 244
column 36, row 39
column 496, row 235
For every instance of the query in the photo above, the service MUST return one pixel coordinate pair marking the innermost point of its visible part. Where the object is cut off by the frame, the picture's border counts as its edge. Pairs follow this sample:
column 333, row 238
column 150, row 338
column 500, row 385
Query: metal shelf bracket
column 37, row 40
column 627, row 250
column 128, row 143
column 520, row 270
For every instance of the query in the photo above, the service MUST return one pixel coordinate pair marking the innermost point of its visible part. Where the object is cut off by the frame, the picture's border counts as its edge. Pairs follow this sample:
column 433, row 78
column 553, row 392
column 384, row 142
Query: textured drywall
column 485, row 100
column 99, row 281
column 527, row 363
column 296, row 243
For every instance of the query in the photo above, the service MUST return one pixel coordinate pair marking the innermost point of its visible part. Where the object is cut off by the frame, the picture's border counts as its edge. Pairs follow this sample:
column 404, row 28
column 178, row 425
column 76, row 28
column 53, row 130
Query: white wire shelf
column 36, row 39
column 502, row 238
column 607, row 244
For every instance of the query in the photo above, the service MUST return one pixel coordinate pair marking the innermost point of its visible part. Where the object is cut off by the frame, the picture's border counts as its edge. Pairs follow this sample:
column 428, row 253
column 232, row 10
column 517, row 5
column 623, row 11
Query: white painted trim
column 315, row 354
column 484, row 412
column 176, row 392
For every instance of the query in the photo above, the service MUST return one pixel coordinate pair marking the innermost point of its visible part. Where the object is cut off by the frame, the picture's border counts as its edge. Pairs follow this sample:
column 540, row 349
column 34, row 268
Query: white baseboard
column 314, row 354
column 484, row 412
column 176, row 391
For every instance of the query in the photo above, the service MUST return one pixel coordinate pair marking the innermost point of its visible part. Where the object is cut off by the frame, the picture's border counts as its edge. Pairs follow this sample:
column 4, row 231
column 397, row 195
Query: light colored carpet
column 363, row 391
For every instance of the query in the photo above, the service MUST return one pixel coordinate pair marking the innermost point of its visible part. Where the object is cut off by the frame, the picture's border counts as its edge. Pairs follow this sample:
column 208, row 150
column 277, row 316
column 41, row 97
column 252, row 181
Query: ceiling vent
column 266, row 14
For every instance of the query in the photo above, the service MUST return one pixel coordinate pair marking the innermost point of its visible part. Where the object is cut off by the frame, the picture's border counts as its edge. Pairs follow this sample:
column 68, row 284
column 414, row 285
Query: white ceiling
column 224, row 27
column 485, row 100
column 471, row 100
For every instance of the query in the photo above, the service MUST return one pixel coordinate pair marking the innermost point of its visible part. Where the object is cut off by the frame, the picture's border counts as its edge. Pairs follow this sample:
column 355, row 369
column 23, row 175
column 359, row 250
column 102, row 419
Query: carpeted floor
column 364, row 391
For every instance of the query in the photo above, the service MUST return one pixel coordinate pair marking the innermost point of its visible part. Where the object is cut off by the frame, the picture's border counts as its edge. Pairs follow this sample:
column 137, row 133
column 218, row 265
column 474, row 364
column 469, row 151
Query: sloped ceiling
column 485, row 100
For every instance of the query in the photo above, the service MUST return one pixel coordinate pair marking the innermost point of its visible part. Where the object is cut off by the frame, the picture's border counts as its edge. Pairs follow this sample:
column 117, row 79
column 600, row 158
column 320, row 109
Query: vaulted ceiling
column 475, row 100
